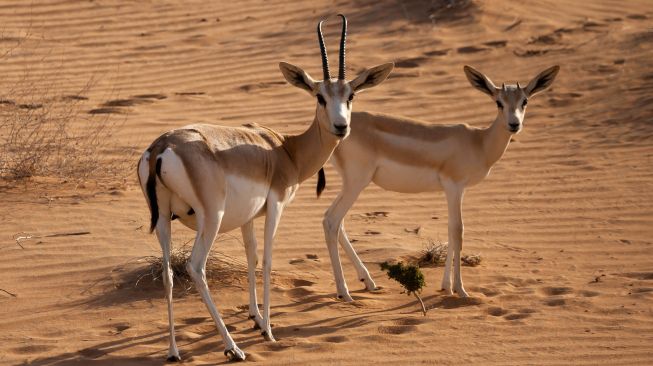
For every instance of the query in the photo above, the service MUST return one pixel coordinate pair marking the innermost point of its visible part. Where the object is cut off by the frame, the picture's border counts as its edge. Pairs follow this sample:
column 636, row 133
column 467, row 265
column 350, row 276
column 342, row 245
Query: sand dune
column 563, row 223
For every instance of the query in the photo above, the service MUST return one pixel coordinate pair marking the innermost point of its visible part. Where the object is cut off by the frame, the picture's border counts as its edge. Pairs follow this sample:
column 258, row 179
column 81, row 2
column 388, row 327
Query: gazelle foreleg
column 454, row 193
column 272, row 217
column 363, row 273
column 208, row 225
column 446, row 278
column 333, row 223
column 164, row 236
column 249, row 239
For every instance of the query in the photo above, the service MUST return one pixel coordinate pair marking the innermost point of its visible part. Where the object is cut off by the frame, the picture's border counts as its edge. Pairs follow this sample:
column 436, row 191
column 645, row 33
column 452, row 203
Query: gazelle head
column 511, row 99
column 334, row 96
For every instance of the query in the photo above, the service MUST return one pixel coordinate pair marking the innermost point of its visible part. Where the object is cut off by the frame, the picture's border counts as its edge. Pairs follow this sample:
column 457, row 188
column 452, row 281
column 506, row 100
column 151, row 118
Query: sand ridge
column 563, row 222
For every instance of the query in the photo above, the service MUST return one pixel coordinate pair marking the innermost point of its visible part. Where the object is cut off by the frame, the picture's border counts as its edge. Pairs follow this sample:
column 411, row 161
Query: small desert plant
column 436, row 254
column 409, row 276
column 471, row 260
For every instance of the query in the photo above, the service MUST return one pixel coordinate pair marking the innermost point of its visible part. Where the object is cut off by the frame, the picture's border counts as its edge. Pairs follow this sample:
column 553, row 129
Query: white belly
column 245, row 200
column 393, row 176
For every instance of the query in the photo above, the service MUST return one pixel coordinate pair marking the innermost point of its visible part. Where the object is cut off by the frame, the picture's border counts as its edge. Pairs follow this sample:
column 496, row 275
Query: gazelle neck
column 495, row 141
column 310, row 149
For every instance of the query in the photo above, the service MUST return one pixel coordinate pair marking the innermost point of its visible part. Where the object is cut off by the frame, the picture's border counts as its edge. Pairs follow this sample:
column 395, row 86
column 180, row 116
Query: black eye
column 351, row 97
column 320, row 99
column 500, row 105
column 523, row 105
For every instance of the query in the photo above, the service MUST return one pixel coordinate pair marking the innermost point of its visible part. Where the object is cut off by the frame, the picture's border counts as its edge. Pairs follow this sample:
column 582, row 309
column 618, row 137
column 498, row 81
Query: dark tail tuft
column 321, row 182
column 151, row 195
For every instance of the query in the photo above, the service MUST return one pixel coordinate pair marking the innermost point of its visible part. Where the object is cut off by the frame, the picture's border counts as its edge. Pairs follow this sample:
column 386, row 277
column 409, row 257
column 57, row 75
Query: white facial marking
column 513, row 112
column 338, row 108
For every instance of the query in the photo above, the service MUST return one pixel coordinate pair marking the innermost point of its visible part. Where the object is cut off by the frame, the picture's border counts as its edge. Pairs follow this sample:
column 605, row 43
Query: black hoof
column 173, row 359
column 256, row 326
column 233, row 356
column 267, row 337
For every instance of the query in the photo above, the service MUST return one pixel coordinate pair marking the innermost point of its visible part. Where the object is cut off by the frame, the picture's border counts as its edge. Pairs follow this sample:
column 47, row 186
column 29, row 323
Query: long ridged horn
column 343, row 39
column 503, row 86
column 325, row 60
column 518, row 86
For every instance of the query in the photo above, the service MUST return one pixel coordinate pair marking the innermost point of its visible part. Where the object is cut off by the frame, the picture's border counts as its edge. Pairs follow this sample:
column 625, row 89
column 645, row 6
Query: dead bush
column 45, row 132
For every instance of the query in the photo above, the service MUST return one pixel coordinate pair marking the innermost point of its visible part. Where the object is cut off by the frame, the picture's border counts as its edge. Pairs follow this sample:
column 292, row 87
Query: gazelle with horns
column 215, row 179
column 408, row 156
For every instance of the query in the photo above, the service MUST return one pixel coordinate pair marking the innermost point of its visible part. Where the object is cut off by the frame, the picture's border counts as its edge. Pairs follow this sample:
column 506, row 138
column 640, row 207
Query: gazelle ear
column 297, row 77
column 371, row 77
column 542, row 81
column 480, row 81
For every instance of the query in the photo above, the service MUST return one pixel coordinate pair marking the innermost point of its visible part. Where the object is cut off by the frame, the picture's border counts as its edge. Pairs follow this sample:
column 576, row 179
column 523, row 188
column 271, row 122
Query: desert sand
column 563, row 223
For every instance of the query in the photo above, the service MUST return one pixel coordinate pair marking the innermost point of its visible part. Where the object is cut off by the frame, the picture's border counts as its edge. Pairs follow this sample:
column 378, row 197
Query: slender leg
column 363, row 273
column 196, row 267
column 454, row 203
column 446, row 278
column 332, row 224
column 272, row 217
column 163, row 234
column 249, row 238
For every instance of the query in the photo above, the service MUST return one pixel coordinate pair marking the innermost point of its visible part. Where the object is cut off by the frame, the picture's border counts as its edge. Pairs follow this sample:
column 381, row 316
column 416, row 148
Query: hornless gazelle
column 215, row 179
column 408, row 156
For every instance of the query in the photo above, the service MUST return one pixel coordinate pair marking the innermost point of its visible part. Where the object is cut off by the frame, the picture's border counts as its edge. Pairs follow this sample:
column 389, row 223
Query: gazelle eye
column 499, row 104
column 320, row 99
column 351, row 97
column 523, row 105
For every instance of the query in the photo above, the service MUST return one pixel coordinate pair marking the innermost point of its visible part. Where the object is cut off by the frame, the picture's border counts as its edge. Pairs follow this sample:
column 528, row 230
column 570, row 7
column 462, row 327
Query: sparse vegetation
column 435, row 254
column 471, row 260
column 46, row 132
column 51, row 136
column 409, row 276
column 219, row 266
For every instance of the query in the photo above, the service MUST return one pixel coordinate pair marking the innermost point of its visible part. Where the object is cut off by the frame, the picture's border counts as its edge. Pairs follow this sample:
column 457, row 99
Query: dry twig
column 10, row 293
column 18, row 237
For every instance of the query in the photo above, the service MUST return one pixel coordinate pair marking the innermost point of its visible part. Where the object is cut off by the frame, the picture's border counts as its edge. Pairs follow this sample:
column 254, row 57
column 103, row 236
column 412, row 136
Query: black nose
column 340, row 128
column 514, row 126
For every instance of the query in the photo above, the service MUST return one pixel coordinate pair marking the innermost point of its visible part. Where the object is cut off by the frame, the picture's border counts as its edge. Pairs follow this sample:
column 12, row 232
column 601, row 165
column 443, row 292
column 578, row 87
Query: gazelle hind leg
column 208, row 225
column 249, row 238
column 363, row 273
column 272, row 217
column 332, row 223
column 164, row 236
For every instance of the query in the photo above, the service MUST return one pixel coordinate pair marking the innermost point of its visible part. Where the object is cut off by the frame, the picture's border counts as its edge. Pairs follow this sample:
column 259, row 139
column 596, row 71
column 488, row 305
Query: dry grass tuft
column 220, row 268
column 435, row 254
